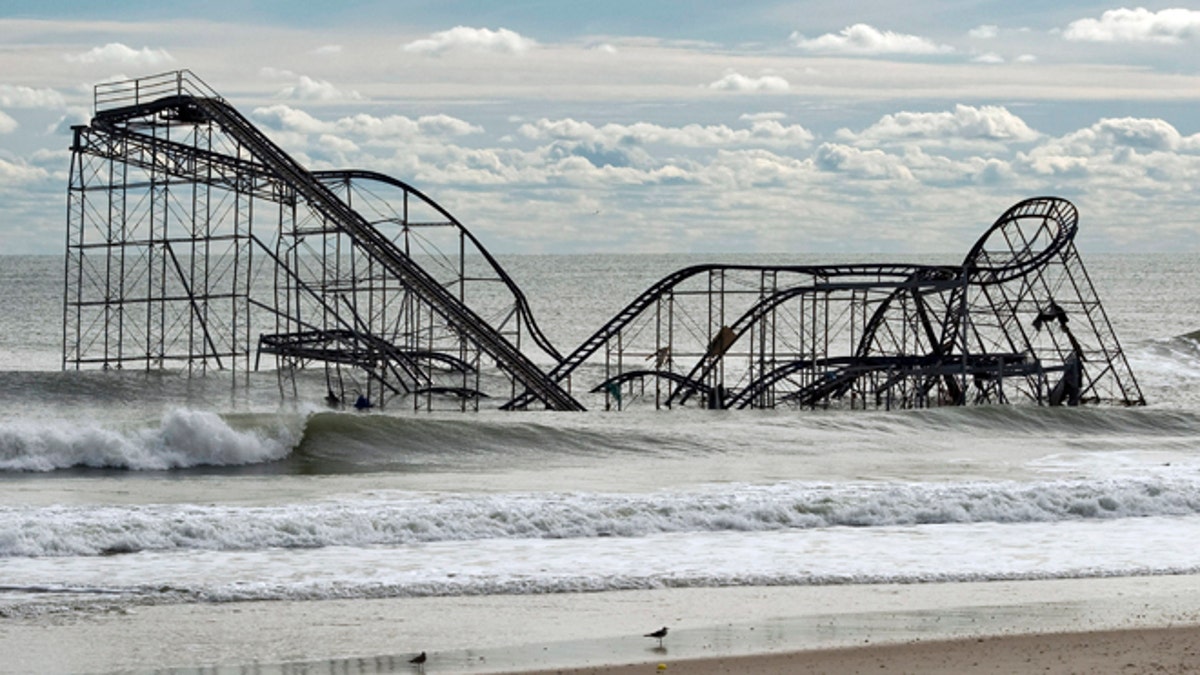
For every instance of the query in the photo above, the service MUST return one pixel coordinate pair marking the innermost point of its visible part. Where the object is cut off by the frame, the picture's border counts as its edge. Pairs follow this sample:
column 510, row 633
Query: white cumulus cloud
column 290, row 119
column 739, row 82
column 864, row 40
column 984, row 32
column 984, row 123
column 28, row 97
column 762, row 116
column 761, row 132
column 310, row 89
column 1137, row 25
column 7, row 124
column 1144, row 134
column 363, row 126
column 445, row 125
column 115, row 53
column 474, row 39
column 872, row 164
column 989, row 58
column 1128, row 152
column 13, row 174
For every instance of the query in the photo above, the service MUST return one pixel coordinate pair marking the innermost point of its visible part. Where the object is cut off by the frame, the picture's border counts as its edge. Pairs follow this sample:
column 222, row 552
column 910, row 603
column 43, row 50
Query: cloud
column 1127, row 153
column 1150, row 134
column 990, row 58
column 864, row 40
column 309, row 89
column 7, row 124
column 753, row 168
column 74, row 115
column 13, row 174
column 395, row 128
column 739, row 82
column 115, row 53
column 1144, row 134
column 276, row 73
column 502, row 41
column 942, row 171
column 985, row 123
column 762, row 116
column 337, row 143
column 985, row 32
column 872, row 164
column 761, row 132
column 1137, row 25
column 445, row 125
column 328, row 50
column 27, row 97
column 287, row 118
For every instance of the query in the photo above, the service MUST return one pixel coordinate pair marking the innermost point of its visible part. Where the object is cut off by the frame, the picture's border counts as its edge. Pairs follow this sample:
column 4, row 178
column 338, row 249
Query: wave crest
column 183, row 438
column 404, row 518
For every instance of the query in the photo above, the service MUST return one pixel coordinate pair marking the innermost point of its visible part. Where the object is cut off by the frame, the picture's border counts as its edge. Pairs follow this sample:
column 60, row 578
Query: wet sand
column 1166, row 650
column 1132, row 625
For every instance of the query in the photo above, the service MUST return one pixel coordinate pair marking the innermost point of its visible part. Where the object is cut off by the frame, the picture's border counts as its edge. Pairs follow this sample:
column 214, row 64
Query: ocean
column 127, row 489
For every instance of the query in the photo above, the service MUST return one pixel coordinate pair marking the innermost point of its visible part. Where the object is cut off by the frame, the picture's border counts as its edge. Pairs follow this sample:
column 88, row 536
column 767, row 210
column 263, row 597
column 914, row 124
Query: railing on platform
column 124, row 93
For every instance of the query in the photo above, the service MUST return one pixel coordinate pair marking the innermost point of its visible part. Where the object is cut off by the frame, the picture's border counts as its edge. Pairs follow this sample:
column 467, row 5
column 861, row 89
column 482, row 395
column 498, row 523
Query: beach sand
column 1118, row 625
column 1166, row 650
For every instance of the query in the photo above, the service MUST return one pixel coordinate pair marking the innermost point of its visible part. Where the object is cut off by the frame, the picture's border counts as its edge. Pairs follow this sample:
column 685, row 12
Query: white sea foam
column 907, row 554
column 1169, row 370
column 400, row 519
column 183, row 438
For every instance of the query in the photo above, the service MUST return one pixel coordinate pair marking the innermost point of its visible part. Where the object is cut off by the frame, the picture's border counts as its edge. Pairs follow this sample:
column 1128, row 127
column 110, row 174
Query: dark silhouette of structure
column 195, row 242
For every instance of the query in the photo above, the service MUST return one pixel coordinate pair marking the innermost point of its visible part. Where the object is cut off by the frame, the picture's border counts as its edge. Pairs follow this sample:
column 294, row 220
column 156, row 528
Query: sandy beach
column 1167, row 650
column 1129, row 625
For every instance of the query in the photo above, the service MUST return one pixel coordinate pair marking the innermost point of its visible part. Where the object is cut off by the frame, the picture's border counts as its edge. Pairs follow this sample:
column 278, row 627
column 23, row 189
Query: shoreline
column 1126, row 651
column 712, row 630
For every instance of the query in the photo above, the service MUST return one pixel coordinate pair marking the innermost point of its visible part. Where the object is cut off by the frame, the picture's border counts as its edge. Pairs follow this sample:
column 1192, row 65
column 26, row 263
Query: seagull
column 419, row 661
column 660, row 634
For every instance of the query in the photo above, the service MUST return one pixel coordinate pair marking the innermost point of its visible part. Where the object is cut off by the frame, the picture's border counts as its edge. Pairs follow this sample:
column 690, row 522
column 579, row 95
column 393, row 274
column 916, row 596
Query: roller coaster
column 196, row 244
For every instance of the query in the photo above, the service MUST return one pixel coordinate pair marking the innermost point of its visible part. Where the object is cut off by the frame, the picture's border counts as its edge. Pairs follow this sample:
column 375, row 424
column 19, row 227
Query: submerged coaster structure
column 195, row 244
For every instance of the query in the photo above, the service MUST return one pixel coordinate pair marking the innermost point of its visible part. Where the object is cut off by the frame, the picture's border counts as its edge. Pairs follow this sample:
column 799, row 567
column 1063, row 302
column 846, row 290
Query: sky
column 662, row 127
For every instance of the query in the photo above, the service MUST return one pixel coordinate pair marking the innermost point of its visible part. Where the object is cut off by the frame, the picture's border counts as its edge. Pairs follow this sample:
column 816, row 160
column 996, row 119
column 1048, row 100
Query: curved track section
column 914, row 281
column 1027, row 236
column 660, row 290
column 389, row 210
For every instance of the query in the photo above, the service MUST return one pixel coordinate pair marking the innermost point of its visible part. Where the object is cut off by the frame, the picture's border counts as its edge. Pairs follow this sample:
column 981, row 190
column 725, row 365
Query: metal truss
column 194, row 243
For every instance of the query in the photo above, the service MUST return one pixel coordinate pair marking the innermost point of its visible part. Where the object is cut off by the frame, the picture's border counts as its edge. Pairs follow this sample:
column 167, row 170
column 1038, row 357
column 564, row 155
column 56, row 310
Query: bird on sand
column 660, row 634
column 419, row 661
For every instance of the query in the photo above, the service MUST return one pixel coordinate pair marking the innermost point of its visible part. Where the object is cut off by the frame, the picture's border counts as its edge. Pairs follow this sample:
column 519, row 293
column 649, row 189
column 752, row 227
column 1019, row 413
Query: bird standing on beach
column 419, row 661
column 660, row 634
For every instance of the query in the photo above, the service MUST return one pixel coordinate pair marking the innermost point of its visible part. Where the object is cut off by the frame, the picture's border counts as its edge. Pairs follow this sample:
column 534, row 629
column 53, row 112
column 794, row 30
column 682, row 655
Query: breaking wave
column 416, row 518
column 183, row 438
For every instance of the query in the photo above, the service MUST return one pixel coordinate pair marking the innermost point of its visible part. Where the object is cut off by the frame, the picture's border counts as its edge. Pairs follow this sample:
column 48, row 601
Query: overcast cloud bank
column 854, row 136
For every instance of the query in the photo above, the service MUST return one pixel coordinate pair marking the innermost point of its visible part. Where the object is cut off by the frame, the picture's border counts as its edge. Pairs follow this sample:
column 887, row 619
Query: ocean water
column 120, row 489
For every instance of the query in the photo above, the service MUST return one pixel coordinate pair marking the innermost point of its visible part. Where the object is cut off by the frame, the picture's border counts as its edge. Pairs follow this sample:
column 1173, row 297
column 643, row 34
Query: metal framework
column 194, row 243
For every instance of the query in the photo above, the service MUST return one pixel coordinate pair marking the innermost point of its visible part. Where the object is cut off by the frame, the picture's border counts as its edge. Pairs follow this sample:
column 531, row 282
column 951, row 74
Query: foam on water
column 1169, row 370
column 897, row 554
column 183, row 438
column 391, row 519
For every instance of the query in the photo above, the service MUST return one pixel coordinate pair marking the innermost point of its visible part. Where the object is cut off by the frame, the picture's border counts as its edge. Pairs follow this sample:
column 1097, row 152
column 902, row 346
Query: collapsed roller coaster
column 195, row 243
